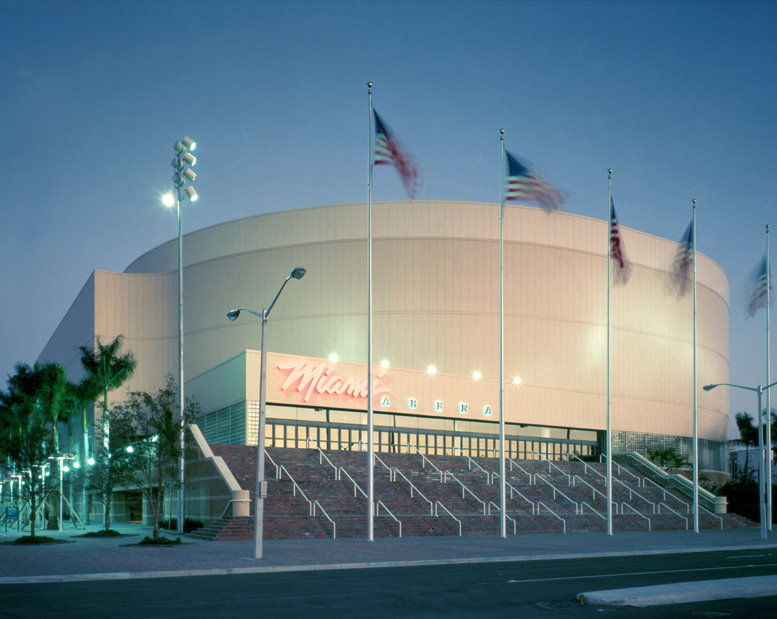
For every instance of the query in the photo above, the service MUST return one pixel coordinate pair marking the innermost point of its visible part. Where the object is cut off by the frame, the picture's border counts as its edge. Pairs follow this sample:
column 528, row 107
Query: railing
column 514, row 490
column 229, row 504
column 388, row 511
column 464, row 489
column 447, row 511
column 380, row 461
column 513, row 463
column 667, row 493
column 712, row 514
column 633, row 492
column 572, row 455
column 556, row 491
column 541, row 504
column 507, row 516
column 621, row 469
column 356, row 486
column 425, row 460
column 414, row 489
column 594, row 492
column 583, row 504
column 323, row 511
column 674, row 512
column 471, row 463
column 322, row 456
column 550, row 464
column 639, row 513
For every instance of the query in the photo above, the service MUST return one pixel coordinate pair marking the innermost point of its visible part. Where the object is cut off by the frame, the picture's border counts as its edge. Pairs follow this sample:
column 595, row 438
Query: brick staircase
column 334, row 483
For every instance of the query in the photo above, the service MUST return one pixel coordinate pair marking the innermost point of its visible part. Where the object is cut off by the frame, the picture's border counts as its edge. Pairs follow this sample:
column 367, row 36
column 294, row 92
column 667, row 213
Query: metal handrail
column 712, row 514
column 424, row 459
column 621, row 469
column 380, row 460
column 564, row 522
column 356, row 486
column 499, row 510
column 464, row 488
column 556, row 490
column 322, row 456
column 519, row 467
column 323, row 511
column 595, row 490
column 413, row 488
column 294, row 485
column 571, row 454
column 585, row 504
column 230, row 503
column 667, row 493
column 674, row 512
column 639, row 513
column 489, row 476
column 514, row 490
column 448, row 512
column 269, row 457
column 388, row 511
column 633, row 492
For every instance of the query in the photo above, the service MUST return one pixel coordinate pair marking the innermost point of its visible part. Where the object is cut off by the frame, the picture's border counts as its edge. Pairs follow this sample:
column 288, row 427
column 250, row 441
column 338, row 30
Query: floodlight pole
column 182, row 172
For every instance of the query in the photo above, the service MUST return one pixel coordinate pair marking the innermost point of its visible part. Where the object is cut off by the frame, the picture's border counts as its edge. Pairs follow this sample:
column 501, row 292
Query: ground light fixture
column 261, row 484
column 182, row 163
column 759, row 390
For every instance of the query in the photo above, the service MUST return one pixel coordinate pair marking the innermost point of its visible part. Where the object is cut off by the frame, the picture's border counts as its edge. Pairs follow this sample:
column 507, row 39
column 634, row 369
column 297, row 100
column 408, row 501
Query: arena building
column 435, row 304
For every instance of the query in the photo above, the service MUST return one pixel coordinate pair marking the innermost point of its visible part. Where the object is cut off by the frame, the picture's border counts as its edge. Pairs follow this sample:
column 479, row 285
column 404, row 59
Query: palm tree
column 23, row 433
column 106, row 369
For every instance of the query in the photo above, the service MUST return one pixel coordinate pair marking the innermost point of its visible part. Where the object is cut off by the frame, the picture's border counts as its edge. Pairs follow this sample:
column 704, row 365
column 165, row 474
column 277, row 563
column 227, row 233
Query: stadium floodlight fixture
column 191, row 194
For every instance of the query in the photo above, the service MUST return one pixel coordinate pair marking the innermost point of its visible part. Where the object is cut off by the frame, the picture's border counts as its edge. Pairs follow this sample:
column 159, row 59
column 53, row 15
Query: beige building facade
column 435, row 303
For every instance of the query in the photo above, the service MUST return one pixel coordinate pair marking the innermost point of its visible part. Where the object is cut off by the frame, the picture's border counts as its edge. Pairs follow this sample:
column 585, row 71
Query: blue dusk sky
column 677, row 97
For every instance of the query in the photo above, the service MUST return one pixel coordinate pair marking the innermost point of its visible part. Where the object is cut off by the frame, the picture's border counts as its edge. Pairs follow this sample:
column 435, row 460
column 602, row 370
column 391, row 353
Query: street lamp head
column 233, row 314
column 298, row 272
column 709, row 387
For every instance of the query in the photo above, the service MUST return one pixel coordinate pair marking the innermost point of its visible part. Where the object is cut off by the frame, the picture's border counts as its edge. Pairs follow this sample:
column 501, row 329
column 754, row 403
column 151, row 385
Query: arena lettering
column 321, row 378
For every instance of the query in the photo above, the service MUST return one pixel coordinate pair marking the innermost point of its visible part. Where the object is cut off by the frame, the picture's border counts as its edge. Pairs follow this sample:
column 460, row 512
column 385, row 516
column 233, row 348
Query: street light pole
column 182, row 171
column 762, row 500
column 261, row 487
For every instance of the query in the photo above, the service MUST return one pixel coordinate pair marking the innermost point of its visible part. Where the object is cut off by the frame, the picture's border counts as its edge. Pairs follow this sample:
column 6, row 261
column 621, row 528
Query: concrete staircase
column 442, row 495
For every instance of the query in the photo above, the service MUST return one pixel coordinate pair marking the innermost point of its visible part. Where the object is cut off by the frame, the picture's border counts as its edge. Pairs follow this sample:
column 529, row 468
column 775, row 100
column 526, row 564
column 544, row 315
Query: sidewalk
column 87, row 558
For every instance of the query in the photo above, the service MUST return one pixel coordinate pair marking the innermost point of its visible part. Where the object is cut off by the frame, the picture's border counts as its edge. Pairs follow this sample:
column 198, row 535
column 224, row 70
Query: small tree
column 666, row 456
column 106, row 369
column 153, row 419
column 24, row 435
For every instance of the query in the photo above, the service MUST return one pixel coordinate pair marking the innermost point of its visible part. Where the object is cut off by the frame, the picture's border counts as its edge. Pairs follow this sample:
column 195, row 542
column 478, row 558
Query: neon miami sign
column 320, row 378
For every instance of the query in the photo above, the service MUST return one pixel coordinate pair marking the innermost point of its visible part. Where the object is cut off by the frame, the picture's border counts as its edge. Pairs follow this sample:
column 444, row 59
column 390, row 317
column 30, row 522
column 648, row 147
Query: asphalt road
column 526, row 589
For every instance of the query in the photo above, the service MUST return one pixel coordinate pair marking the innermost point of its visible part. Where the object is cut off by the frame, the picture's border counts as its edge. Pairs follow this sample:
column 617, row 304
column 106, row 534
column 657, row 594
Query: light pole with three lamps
column 261, row 489
column 182, row 172
column 762, row 458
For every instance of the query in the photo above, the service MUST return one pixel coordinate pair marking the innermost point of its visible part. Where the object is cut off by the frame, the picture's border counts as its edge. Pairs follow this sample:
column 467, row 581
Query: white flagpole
column 502, row 472
column 695, row 416
column 609, row 430
column 768, row 398
column 370, row 446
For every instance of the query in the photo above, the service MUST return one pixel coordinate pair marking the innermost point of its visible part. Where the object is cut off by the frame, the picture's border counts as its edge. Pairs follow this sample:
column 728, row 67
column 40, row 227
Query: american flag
column 616, row 246
column 761, row 282
column 683, row 261
column 523, row 185
column 388, row 150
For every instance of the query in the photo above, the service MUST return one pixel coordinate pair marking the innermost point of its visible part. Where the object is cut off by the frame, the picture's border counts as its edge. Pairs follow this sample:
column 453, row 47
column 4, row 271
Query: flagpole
column 502, row 472
column 370, row 446
column 609, row 430
column 768, row 397
column 695, row 415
